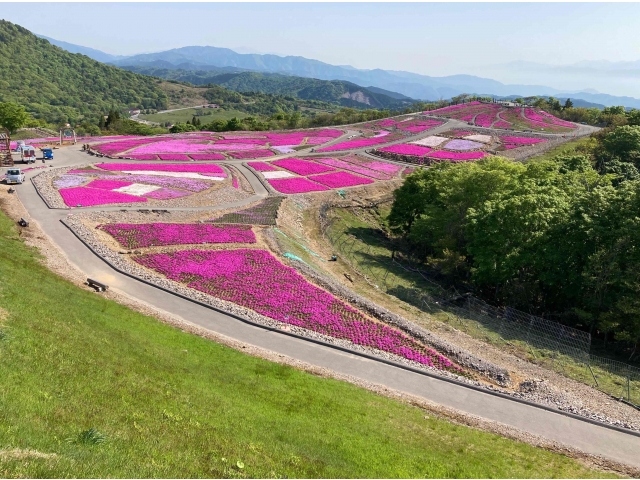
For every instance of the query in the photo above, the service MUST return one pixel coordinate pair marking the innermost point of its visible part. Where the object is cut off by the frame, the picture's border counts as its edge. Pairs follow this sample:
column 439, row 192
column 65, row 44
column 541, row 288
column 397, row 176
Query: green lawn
column 182, row 116
column 169, row 404
column 565, row 148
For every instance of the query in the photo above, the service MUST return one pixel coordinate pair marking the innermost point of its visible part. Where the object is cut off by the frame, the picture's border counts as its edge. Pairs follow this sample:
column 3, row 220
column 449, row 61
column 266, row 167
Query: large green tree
column 13, row 116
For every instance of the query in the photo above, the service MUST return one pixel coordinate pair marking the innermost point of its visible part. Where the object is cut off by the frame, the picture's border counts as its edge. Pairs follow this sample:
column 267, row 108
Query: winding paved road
column 591, row 438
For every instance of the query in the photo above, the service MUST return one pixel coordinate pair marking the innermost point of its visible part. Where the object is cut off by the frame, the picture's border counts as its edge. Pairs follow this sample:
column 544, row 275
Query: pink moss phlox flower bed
column 340, row 179
column 243, row 141
column 173, row 157
column 457, row 155
column 511, row 146
column 485, row 120
column 502, row 124
column 463, row 145
column 302, row 167
column 406, row 149
column 344, row 165
column 113, row 148
column 295, row 185
column 256, row 280
column 227, row 147
column 234, row 183
column 200, row 168
column 452, row 108
column 175, row 145
column 88, row 197
column 261, row 166
column 108, row 184
column 206, row 156
column 252, row 154
column 190, row 184
column 388, row 168
column 417, row 126
column 142, row 235
column 166, row 194
column 523, row 140
column 356, row 143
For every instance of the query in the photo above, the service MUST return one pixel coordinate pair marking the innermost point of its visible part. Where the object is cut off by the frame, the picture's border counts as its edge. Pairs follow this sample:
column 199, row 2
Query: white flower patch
column 278, row 174
column 431, row 141
column 137, row 189
column 173, row 174
column 407, row 119
column 479, row 138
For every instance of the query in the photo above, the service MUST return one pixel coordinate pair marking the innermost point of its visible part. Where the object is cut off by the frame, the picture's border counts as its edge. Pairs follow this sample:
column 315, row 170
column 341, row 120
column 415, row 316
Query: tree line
column 558, row 238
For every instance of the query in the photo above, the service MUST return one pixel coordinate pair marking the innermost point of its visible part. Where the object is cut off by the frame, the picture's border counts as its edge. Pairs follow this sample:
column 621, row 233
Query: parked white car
column 14, row 176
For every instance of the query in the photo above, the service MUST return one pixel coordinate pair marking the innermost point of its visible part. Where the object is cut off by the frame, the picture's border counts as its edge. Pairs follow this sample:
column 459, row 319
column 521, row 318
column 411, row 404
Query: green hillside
column 59, row 86
column 92, row 389
column 335, row 91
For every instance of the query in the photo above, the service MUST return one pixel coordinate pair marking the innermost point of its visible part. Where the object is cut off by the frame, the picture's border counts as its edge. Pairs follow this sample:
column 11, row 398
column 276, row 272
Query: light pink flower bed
column 407, row 149
column 295, row 185
column 166, row 194
column 108, row 184
column 339, row 163
column 357, row 143
column 340, row 179
column 261, row 166
column 89, row 197
column 502, row 124
column 388, row 168
column 164, row 167
column 142, row 235
column 302, row 167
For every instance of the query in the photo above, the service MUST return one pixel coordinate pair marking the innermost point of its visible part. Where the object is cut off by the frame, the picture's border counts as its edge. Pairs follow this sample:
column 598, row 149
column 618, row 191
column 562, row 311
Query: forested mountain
column 59, row 86
column 335, row 91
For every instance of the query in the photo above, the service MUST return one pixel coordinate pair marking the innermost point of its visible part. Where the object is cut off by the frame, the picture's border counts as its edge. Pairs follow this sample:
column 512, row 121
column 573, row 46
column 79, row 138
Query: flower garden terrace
column 498, row 116
column 206, row 146
column 160, row 185
column 236, row 266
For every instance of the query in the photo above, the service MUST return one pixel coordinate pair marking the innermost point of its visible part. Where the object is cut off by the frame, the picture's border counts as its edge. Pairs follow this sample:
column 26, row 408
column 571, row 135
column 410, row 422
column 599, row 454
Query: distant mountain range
column 412, row 85
column 336, row 91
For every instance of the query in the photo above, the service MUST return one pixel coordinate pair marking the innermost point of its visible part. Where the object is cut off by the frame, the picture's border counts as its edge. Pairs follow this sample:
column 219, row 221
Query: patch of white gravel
column 431, row 141
column 479, row 138
column 278, row 174
column 137, row 189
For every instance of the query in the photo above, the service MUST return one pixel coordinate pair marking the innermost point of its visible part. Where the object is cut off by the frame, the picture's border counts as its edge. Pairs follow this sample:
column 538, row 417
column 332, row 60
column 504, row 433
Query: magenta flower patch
column 254, row 279
column 407, row 149
column 142, row 235
column 340, row 179
column 295, row 185
column 108, row 184
column 159, row 167
column 166, row 194
column 88, row 197
column 251, row 154
column 302, row 167
column 261, row 166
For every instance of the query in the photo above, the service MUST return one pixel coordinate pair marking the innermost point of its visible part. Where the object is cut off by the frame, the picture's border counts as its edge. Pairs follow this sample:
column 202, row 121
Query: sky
column 428, row 38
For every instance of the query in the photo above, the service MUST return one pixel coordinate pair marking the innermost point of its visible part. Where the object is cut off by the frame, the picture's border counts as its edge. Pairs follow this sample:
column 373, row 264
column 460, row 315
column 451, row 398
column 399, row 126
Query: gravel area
column 535, row 391
column 220, row 193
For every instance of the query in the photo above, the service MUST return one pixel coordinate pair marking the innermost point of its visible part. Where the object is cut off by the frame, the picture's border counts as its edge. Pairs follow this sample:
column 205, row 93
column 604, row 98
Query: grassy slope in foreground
column 172, row 404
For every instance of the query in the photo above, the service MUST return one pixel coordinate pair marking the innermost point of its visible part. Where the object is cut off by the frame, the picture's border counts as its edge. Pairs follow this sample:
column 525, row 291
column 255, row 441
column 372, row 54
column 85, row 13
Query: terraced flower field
column 494, row 115
column 213, row 146
column 114, row 183
column 319, row 174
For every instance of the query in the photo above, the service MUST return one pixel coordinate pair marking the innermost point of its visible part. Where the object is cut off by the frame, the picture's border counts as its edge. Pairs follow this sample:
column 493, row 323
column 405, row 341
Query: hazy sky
column 433, row 38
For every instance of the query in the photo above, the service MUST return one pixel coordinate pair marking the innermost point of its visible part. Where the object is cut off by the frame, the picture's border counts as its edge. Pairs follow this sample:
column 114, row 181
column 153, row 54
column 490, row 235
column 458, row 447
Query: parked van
column 28, row 154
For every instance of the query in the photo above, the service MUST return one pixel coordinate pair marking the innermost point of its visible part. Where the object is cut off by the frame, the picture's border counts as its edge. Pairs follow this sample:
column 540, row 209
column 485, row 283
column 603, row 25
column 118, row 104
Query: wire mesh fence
column 556, row 346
